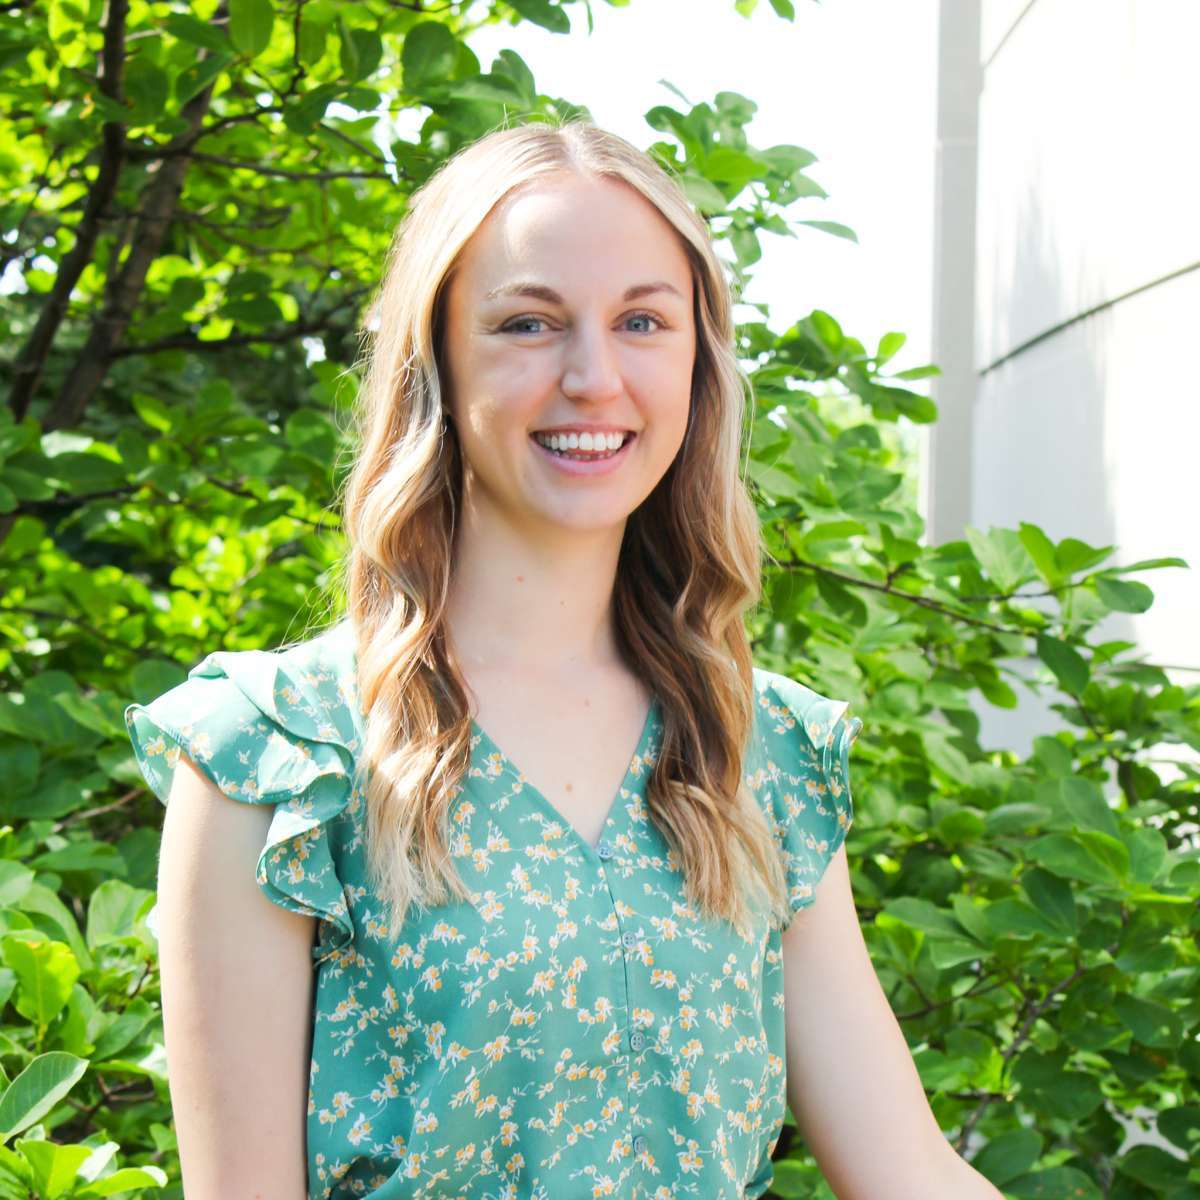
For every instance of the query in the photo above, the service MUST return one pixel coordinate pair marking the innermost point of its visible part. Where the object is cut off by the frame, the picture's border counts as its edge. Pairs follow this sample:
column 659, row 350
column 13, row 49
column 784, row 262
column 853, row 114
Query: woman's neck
column 522, row 602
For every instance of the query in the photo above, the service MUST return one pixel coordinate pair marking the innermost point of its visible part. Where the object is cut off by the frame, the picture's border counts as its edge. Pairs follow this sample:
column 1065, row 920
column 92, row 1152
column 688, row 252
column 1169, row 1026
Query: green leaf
column 198, row 75
column 842, row 231
column 429, row 55
column 1147, row 853
column 923, row 915
column 802, row 186
column 787, row 159
column 889, row 344
column 1002, row 556
column 1084, row 801
column 704, row 195
column 1054, row 1184
column 312, row 37
column 112, row 910
column 827, row 329
column 831, row 531
column 1158, row 1170
column 251, row 23
column 200, row 33
column 1079, row 857
column 1074, row 555
column 732, row 167
column 1012, row 917
column 151, row 677
column 785, row 9
column 1180, row 1124
column 25, row 485
column 1008, row 1155
column 54, row 1167
column 961, row 825
column 498, row 88
column 1152, row 1024
column 1110, row 852
column 543, row 13
column 303, row 112
column 46, row 972
column 1041, row 551
column 1124, row 595
column 152, row 411
column 996, row 691
column 1014, row 818
column 1148, row 564
column 361, row 50
column 1069, row 667
column 776, row 482
column 127, row 1179
column 1052, row 896
column 147, row 86
column 37, row 1089
column 917, row 372
column 951, row 952
column 510, row 63
column 971, row 916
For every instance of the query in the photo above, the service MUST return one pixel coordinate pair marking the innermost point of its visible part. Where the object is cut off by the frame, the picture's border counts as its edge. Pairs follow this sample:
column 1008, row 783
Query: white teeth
column 583, row 442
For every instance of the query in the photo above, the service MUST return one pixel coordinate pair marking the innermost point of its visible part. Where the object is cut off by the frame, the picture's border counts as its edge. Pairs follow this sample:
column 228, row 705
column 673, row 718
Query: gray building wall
column 1066, row 293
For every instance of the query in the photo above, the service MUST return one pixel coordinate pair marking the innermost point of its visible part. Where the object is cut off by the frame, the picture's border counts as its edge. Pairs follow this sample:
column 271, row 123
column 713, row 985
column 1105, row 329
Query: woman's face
column 571, row 309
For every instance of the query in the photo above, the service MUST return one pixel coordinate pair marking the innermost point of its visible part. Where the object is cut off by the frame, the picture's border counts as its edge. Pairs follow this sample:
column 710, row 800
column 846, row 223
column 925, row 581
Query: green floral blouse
column 576, row 1030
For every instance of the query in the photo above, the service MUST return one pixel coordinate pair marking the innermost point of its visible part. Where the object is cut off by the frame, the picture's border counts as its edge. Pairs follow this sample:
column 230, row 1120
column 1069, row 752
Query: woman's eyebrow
column 539, row 291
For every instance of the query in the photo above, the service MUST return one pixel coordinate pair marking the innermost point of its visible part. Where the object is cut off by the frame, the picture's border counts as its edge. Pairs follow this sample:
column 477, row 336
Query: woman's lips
column 577, row 466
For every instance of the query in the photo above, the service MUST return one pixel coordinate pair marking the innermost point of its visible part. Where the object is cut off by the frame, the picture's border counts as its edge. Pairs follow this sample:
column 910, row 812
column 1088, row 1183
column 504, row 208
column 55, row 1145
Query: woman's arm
column 237, row 994
column 852, row 1084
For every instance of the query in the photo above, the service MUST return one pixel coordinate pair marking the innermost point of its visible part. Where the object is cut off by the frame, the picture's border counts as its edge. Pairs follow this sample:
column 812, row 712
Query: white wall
column 1086, row 415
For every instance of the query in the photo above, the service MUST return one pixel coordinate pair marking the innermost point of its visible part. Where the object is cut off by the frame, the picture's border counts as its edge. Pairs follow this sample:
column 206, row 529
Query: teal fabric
column 576, row 1029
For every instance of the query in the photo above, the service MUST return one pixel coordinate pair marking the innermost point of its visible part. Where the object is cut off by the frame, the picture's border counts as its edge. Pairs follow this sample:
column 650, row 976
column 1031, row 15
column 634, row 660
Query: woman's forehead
column 545, row 234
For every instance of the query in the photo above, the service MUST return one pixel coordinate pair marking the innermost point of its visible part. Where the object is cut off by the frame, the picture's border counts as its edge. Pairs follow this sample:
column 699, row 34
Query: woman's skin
column 536, row 548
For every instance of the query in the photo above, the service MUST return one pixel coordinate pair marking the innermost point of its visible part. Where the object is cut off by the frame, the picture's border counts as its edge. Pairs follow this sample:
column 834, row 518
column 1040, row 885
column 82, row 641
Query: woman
column 579, row 976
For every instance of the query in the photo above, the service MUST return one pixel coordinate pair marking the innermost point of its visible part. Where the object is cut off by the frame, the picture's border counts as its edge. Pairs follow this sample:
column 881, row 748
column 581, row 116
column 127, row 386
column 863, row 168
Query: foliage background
column 196, row 199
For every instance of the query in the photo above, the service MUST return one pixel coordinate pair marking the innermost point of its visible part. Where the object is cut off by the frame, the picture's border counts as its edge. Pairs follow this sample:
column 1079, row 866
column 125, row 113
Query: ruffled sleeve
column 264, row 732
column 805, row 771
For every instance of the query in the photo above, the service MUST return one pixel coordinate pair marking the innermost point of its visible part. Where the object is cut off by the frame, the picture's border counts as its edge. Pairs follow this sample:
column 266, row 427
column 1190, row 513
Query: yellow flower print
column 495, row 1050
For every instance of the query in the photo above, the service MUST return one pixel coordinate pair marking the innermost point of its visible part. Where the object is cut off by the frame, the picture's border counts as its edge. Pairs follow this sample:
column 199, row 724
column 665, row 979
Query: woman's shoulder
column 324, row 665
column 306, row 686
column 794, row 721
column 233, row 700
column 274, row 727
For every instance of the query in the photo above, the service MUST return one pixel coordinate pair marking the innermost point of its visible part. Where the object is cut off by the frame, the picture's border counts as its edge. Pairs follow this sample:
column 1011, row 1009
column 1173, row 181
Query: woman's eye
column 645, row 316
column 512, row 326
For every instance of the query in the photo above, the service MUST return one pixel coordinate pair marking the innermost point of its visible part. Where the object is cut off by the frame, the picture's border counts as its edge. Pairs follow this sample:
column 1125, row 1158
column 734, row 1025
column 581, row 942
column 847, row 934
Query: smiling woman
column 564, row 977
column 593, row 358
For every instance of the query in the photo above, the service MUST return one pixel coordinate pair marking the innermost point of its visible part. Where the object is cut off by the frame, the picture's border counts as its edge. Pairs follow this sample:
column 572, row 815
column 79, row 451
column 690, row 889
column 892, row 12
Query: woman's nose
column 591, row 365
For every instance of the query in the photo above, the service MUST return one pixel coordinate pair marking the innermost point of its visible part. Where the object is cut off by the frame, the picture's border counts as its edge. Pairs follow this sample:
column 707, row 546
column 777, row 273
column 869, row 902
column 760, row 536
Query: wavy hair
column 688, row 571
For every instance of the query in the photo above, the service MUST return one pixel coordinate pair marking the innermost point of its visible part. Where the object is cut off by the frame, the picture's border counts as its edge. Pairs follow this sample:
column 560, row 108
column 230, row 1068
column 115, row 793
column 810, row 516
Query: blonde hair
column 689, row 566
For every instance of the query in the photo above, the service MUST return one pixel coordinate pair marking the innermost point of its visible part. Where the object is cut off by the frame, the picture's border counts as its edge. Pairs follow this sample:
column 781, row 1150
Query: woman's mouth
column 578, row 461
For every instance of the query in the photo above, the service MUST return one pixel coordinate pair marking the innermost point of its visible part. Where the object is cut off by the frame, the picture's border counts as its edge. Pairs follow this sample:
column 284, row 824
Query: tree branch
column 284, row 173
column 39, row 185
column 28, row 365
column 183, row 145
column 795, row 562
column 289, row 333
column 109, row 325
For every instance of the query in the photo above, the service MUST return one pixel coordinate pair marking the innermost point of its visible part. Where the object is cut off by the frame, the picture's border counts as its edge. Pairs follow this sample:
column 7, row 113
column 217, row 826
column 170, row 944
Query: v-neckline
column 527, row 785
